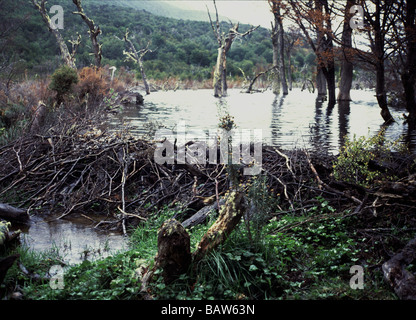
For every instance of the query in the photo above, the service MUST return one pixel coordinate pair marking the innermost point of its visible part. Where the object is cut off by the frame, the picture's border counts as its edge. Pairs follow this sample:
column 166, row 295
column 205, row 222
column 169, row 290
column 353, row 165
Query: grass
column 303, row 256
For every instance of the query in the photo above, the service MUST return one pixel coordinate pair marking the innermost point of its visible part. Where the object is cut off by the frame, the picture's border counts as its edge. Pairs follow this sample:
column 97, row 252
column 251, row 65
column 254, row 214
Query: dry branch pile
column 80, row 168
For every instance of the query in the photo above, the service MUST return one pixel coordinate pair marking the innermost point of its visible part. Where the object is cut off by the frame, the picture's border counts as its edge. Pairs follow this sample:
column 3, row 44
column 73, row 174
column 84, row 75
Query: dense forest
column 307, row 226
column 189, row 46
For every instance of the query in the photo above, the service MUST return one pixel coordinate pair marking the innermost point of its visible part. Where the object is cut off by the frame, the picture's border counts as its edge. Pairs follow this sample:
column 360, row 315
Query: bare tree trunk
column 282, row 67
column 278, row 46
column 381, row 93
column 321, row 82
column 329, row 71
column 219, row 73
column 409, row 75
column 224, row 45
column 68, row 59
column 137, row 57
column 94, row 33
column 346, row 65
column 275, row 75
column 377, row 48
column 289, row 73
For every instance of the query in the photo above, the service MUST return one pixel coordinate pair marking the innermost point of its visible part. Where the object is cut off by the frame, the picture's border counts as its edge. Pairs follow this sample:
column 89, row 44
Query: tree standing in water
column 224, row 45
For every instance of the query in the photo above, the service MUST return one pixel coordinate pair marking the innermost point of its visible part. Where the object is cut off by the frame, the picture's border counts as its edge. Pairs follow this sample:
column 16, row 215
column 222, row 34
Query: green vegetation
column 62, row 81
column 356, row 156
column 189, row 47
column 302, row 256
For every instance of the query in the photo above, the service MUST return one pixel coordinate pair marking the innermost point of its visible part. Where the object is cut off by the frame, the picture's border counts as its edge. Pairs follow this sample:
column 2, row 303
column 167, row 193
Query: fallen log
column 201, row 215
column 230, row 215
column 395, row 273
column 10, row 213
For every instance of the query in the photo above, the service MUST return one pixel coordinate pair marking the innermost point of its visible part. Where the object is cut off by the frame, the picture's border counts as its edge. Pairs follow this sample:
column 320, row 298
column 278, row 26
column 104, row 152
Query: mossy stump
column 174, row 250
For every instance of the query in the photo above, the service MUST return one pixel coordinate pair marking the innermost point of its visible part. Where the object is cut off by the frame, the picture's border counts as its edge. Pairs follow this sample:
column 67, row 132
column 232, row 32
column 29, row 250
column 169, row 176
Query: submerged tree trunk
column 279, row 46
column 329, row 58
column 377, row 46
column 408, row 76
column 346, row 65
column 289, row 73
column 137, row 57
column 224, row 45
column 275, row 75
column 321, row 82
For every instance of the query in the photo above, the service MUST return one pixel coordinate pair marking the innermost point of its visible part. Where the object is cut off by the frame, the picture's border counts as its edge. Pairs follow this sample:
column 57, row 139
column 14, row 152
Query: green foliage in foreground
column 306, row 256
column 353, row 163
column 63, row 79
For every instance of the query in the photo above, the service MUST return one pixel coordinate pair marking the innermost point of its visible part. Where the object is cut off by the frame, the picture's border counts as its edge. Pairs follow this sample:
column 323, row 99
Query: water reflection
column 343, row 120
column 75, row 240
column 297, row 120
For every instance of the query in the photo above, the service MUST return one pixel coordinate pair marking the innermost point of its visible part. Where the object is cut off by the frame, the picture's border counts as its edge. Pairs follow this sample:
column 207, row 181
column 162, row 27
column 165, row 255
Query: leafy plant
column 62, row 81
column 356, row 156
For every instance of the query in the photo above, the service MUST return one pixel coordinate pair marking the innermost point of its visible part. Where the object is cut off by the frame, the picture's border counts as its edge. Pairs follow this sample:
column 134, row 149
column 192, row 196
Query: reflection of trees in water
column 276, row 124
column 320, row 132
column 343, row 120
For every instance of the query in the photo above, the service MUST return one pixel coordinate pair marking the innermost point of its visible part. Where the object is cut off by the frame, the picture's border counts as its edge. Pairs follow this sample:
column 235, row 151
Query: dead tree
column 94, row 32
column 347, row 66
column 278, row 45
column 68, row 58
column 224, row 45
column 137, row 57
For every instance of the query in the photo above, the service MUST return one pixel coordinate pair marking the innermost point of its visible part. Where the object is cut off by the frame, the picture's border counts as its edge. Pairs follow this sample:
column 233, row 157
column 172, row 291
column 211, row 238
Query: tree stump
column 174, row 250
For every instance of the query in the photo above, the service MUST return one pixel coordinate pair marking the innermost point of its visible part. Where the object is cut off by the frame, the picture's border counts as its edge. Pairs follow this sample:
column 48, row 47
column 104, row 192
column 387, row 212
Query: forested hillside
column 181, row 48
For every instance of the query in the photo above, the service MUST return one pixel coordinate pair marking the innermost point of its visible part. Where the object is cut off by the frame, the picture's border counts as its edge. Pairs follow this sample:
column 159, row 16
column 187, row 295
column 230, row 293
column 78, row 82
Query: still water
column 74, row 239
column 297, row 120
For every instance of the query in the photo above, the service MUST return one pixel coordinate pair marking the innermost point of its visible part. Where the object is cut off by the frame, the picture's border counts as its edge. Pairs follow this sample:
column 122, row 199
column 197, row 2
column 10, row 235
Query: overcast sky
column 255, row 12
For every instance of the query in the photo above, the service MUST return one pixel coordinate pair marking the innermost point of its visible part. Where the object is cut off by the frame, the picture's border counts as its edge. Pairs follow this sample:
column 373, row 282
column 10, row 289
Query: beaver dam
column 80, row 170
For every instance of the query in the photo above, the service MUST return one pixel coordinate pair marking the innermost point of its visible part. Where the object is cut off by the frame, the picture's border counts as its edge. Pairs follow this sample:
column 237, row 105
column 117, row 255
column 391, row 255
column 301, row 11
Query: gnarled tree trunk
column 224, row 45
column 67, row 57
column 94, row 33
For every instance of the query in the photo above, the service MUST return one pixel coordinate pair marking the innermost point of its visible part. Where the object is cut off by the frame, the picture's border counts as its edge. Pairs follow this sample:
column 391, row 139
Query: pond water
column 297, row 120
column 75, row 238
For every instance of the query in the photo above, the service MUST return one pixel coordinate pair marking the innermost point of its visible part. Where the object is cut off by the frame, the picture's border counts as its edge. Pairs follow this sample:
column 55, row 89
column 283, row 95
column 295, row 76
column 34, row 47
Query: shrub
column 62, row 81
column 353, row 163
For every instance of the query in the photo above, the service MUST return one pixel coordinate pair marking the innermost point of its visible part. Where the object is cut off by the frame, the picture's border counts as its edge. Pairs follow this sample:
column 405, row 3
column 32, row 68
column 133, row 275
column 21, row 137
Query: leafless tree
column 68, row 58
column 224, row 45
column 137, row 57
column 94, row 32
column 277, row 35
